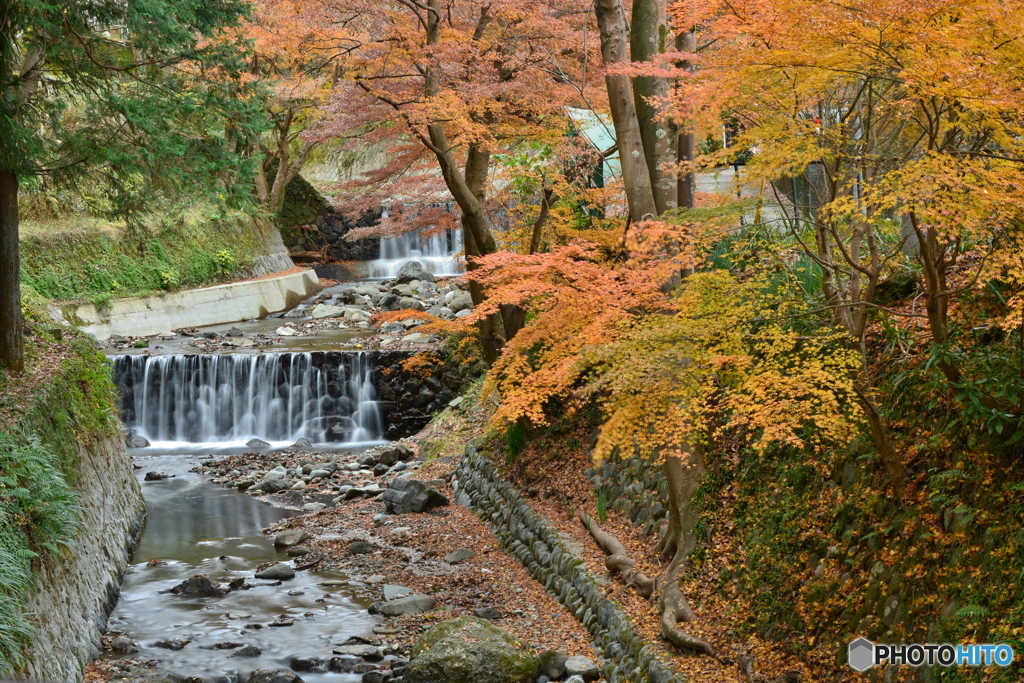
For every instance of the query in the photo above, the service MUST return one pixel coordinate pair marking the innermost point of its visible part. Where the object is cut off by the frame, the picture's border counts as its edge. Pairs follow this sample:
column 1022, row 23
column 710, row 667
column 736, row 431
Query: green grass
column 81, row 259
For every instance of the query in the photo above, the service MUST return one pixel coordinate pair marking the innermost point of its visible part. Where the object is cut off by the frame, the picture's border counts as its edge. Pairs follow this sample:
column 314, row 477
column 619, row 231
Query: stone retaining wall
column 77, row 593
column 624, row 655
column 631, row 487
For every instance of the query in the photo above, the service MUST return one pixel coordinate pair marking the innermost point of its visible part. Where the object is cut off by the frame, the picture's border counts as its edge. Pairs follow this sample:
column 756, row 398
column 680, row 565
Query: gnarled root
column 674, row 609
column 674, row 606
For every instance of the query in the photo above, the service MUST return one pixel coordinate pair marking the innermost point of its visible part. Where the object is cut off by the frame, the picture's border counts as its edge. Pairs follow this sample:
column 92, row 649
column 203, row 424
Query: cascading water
column 228, row 399
column 438, row 254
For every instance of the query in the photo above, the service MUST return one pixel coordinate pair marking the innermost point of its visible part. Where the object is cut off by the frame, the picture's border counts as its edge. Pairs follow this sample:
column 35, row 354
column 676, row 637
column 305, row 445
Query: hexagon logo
column 861, row 654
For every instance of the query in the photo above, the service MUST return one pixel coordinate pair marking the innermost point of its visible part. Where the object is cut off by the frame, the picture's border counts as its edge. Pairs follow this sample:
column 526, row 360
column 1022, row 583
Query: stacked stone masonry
column 77, row 593
column 633, row 487
column 623, row 654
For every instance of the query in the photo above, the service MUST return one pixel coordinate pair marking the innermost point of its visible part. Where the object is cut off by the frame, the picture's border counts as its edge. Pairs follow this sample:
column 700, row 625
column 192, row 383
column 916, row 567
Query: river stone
column 408, row 495
column 301, row 444
column 298, row 486
column 286, row 331
column 297, row 551
column 361, row 548
column 155, row 476
column 308, row 664
column 145, row 674
column 470, row 650
column 247, row 651
column 138, row 442
column 552, row 664
column 413, row 270
column 412, row 604
column 174, row 644
column 393, row 453
column 409, row 303
column 287, row 539
column 460, row 302
column 271, row 485
column 256, row 443
column 460, row 555
column 583, row 667
column 488, row 613
column 325, row 311
column 319, row 474
column 395, row 592
column 273, row 676
column 574, row 679
column 277, row 572
column 367, row 652
column 200, row 586
column 123, row 644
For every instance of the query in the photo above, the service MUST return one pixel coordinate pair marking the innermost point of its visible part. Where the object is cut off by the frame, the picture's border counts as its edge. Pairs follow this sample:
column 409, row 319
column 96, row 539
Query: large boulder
column 409, row 495
column 470, row 650
column 413, row 270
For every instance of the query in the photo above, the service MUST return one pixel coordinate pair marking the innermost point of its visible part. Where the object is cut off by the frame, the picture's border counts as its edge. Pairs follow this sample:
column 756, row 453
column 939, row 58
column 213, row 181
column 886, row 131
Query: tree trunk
column 12, row 343
column 683, row 478
column 647, row 36
column 687, row 184
column 890, row 459
column 611, row 19
column 547, row 199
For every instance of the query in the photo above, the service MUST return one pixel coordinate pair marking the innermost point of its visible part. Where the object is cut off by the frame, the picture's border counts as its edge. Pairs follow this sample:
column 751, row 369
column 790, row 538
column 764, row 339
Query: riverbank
column 78, row 508
column 444, row 554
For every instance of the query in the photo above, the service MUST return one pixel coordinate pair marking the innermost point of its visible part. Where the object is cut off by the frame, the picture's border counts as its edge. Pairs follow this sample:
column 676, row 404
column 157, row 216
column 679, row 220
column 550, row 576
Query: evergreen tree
column 139, row 94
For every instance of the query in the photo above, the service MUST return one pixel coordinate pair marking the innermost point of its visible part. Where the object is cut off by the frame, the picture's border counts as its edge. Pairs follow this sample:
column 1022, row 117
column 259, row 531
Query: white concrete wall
column 142, row 316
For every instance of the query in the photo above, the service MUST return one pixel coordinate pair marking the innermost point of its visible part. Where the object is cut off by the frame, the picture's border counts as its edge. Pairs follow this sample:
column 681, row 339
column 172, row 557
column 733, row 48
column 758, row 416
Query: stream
column 186, row 405
column 199, row 528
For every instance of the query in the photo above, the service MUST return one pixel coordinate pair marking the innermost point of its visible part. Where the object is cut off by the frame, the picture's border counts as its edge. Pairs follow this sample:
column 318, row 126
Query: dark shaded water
column 199, row 528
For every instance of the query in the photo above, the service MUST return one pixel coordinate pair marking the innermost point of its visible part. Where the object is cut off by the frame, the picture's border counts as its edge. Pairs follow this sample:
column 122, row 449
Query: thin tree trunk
column 687, row 148
column 546, row 201
column 12, row 343
column 647, row 36
column 611, row 18
column 890, row 459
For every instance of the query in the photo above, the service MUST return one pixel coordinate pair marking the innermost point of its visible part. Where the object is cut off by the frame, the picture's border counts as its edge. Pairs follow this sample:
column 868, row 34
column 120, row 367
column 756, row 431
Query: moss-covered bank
column 191, row 249
column 62, row 539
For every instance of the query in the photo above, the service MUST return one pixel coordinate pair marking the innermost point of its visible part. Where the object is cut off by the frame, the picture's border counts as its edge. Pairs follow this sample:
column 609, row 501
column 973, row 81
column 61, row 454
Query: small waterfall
column 438, row 254
column 225, row 399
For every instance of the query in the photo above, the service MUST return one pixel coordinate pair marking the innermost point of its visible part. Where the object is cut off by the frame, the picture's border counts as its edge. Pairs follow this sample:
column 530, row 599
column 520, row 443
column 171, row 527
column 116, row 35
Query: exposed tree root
column 674, row 606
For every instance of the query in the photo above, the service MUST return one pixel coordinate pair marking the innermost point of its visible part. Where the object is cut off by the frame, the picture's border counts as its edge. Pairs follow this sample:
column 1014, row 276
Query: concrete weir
column 142, row 316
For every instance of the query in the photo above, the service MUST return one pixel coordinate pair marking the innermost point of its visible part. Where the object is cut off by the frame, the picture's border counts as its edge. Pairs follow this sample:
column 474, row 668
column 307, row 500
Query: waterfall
column 438, row 254
column 227, row 399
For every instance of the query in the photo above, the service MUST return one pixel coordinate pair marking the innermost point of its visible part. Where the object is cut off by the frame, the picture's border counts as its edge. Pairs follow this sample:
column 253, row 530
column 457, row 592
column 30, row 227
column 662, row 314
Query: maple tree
column 906, row 134
column 299, row 51
column 464, row 81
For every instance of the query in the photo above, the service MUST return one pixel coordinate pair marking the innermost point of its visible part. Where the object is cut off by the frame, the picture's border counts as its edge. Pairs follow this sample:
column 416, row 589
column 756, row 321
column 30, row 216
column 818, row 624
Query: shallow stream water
column 196, row 527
